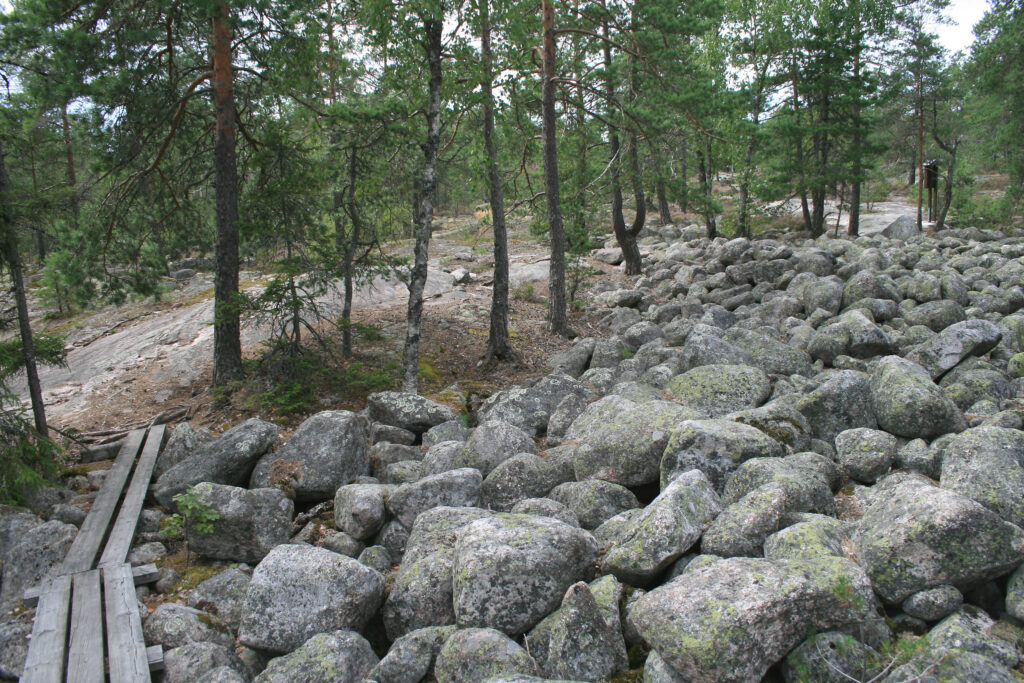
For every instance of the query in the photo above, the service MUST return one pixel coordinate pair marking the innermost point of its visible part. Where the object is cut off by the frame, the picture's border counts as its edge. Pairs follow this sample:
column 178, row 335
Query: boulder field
column 788, row 459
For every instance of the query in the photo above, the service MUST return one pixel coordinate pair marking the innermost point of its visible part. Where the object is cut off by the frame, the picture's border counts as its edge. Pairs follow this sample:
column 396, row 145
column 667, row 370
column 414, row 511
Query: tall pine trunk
column 858, row 149
column 558, row 321
column 630, row 251
column 499, row 344
column 227, row 345
column 10, row 252
column 348, row 250
column 664, row 211
column 424, row 217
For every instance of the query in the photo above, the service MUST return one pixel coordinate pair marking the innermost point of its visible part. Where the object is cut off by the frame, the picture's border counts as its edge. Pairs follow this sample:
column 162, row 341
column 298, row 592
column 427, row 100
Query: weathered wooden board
column 85, row 652
column 126, row 657
column 48, row 648
column 123, row 532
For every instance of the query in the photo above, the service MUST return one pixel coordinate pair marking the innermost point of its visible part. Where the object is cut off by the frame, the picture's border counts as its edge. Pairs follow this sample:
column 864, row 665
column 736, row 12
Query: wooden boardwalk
column 87, row 623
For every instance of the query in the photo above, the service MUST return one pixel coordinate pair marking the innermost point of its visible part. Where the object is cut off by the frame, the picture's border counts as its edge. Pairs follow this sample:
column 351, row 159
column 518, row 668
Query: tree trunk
column 748, row 158
column 634, row 264
column 947, row 194
column 664, row 210
column 426, row 191
column 704, row 173
column 348, row 250
column 630, row 251
column 858, row 149
column 920, row 148
column 684, row 173
column 558, row 321
column 10, row 253
column 499, row 344
column 227, row 346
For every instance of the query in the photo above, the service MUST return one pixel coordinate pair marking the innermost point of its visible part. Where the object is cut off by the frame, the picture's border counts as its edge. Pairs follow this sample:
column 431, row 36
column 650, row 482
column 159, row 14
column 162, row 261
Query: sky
column 965, row 14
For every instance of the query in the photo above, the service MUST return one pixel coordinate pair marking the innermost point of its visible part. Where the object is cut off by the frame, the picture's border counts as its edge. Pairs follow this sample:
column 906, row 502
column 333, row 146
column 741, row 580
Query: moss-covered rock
column 986, row 464
column 907, row 403
column 339, row 657
column 716, row 390
column 741, row 529
column 411, row 657
column 831, row 657
column 477, row 654
column 715, row 447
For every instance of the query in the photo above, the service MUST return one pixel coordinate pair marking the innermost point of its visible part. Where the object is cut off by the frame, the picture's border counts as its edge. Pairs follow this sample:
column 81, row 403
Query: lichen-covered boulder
column 831, row 657
column 933, row 604
column 455, row 488
column 328, row 450
column 172, row 625
column 622, row 441
column 715, row 390
column 732, row 619
column 814, row 537
column 248, row 524
column 522, row 476
column 298, row 591
column 664, row 531
column 530, row 408
column 411, row 657
column 808, row 479
column 360, row 509
column 907, row 403
column 918, row 536
column 865, row 454
column 841, row 402
column 956, row 342
column 192, row 661
column 594, row 501
column 409, row 411
column 987, row 465
column 222, row 595
column 545, row 507
column 471, row 655
column 339, row 657
column 34, row 556
column 180, row 444
column 228, row 459
column 580, row 644
column 494, row 442
column 935, row 315
column 512, row 570
column 741, row 529
column 715, row 447
column 15, row 632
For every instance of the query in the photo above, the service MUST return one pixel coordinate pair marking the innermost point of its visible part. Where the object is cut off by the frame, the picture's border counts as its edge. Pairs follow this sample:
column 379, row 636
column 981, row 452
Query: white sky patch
column 960, row 34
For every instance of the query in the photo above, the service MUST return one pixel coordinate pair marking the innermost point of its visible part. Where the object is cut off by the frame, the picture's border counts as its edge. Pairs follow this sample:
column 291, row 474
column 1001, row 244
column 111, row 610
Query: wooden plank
column 143, row 574
column 86, row 545
column 47, row 650
column 155, row 655
column 126, row 647
column 85, row 652
column 123, row 532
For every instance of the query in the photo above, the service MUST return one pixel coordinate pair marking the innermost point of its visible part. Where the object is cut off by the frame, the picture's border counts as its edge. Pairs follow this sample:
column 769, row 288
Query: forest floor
column 130, row 363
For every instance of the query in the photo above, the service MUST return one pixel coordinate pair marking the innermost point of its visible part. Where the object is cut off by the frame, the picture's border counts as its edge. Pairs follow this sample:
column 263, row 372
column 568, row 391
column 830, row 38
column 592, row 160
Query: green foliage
column 524, row 291
column 194, row 517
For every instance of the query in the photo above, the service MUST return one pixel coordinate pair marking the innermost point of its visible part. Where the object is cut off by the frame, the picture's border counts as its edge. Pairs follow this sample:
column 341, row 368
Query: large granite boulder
column 298, row 591
column 512, row 570
column 715, row 447
column 455, row 488
column 907, row 403
column 328, row 450
column 228, row 459
column 37, row 554
column 953, row 344
column 471, row 655
column 248, row 524
column 338, row 657
column 715, row 390
column 986, row 464
column 916, row 536
column 412, row 412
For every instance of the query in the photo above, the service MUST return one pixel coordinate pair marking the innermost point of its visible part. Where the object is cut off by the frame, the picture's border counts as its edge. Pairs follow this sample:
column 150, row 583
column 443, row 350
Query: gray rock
column 445, row 456
column 811, row 539
column 408, row 411
column 393, row 537
column 770, row 355
column 831, row 657
column 223, row 596
column 987, row 465
column 907, row 403
column 478, row 654
column 376, row 557
column 384, row 454
column 903, row 228
column 575, row 359
column 494, row 442
column 228, row 459
column 404, row 472
column 223, row 674
column 530, row 408
column 741, row 529
column 969, row 629
column 338, row 657
column 954, row 665
column 193, row 661
column 865, row 454
column 594, row 501
column 36, row 555
column 781, row 421
column 622, row 441
column 934, row 603
column 667, row 528
column 916, row 456
column 173, row 625
column 67, row 513
column 298, row 591
column 564, row 415
column 1015, row 594
column 249, row 523
column 716, row 390
column 917, row 536
column 545, row 507
column 453, row 430
column 694, row 625
column 15, row 631
column 842, row 402
column 512, row 570
column 455, row 488
column 581, row 645
column 360, row 509
column 808, row 479
column 411, row 657
column 935, row 315
column 328, row 450
column 657, row 671
column 520, row 477
column 381, row 432
column 147, row 553
column 956, row 342
column 180, row 445
column 715, row 447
